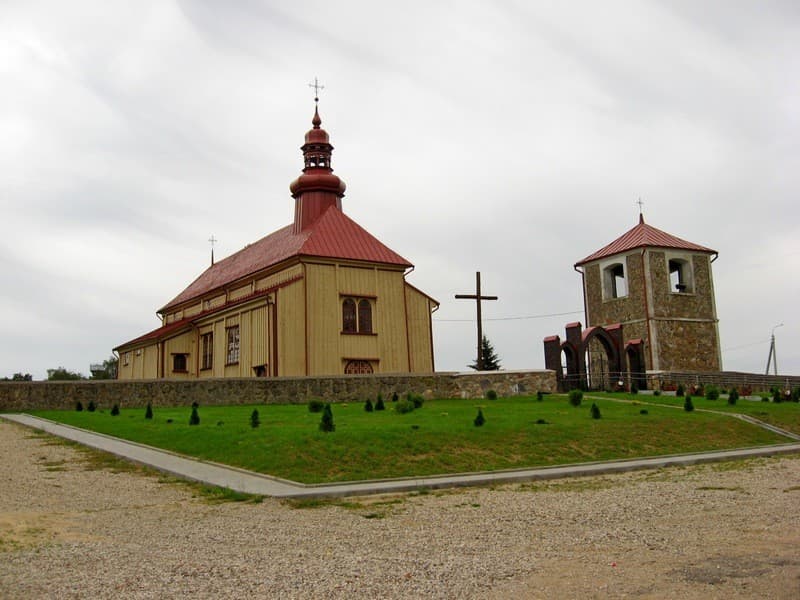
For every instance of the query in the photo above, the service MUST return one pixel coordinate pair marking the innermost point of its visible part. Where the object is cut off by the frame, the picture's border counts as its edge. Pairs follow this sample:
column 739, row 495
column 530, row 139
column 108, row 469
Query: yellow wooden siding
column 258, row 338
column 419, row 331
column 389, row 319
column 193, row 310
column 356, row 281
column 270, row 281
column 324, row 316
column 241, row 292
column 182, row 344
column 291, row 329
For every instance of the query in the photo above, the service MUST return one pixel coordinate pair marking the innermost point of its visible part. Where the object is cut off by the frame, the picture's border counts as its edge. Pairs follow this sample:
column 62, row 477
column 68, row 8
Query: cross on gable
column 477, row 297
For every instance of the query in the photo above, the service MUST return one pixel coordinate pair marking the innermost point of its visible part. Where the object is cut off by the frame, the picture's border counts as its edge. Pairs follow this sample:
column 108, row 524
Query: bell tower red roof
column 317, row 189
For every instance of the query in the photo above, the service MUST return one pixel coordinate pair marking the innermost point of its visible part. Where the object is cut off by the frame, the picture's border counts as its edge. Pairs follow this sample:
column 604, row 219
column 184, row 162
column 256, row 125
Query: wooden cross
column 641, row 204
column 477, row 297
column 213, row 241
column 317, row 87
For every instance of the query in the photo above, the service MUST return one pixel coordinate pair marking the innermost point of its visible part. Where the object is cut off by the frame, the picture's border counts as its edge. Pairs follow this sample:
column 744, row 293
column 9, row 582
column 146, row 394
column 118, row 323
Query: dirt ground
column 69, row 529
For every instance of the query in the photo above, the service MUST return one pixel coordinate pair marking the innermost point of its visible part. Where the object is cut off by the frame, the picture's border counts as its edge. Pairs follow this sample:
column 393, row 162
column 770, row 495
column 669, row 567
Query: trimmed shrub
column 255, row 421
column 79, row 406
column 541, row 422
column 644, row 411
column 777, row 396
column 656, row 392
column 539, row 396
column 418, row 401
column 368, row 406
column 404, row 406
column 115, row 410
column 91, row 406
column 194, row 419
column 796, row 394
column 634, row 389
column 394, row 397
column 479, row 420
column 688, row 406
column 733, row 396
column 148, row 413
column 326, row 424
column 379, row 405
column 712, row 393
column 575, row 397
column 680, row 391
column 595, row 411
column 491, row 395
column 315, row 405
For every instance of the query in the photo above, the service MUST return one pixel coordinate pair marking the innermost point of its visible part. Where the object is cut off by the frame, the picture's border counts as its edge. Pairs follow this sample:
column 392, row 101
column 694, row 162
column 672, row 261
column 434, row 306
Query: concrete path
column 249, row 482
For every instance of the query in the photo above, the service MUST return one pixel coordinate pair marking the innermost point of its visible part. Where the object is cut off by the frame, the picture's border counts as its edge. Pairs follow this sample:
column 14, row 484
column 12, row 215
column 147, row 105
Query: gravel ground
column 730, row 530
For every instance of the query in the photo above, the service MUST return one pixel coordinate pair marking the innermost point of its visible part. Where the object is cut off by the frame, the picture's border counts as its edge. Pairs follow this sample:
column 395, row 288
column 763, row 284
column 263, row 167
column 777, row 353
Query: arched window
column 614, row 283
column 680, row 276
column 358, row 367
column 349, row 316
column 364, row 316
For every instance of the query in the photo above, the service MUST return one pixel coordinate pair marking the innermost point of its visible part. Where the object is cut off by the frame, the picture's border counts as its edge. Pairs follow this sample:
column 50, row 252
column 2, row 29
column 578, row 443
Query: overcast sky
column 509, row 137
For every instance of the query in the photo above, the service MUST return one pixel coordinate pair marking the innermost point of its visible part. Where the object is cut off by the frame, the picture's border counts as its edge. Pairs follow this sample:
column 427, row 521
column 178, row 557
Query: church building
column 321, row 296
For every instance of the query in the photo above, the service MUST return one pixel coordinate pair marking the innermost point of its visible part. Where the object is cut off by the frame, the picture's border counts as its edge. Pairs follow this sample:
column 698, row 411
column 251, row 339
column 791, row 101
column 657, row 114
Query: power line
column 574, row 312
column 750, row 345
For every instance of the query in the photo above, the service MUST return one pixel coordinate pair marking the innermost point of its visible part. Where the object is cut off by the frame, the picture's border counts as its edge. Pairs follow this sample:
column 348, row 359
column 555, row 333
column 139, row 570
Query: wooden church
column 321, row 296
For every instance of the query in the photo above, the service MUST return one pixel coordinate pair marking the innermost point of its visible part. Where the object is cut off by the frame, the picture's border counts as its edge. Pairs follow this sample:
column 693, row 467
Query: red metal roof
column 643, row 236
column 333, row 235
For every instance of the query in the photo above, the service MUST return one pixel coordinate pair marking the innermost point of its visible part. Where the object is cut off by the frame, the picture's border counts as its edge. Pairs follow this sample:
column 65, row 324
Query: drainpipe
column 585, row 304
column 647, row 312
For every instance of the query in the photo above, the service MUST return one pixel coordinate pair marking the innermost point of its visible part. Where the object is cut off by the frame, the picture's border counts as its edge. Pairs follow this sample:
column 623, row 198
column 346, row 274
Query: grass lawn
column 784, row 414
column 438, row 438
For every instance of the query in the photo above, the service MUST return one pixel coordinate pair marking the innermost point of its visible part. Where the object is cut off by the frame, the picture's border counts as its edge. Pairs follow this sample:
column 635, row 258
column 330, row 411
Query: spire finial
column 316, row 121
column 641, row 213
column 213, row 241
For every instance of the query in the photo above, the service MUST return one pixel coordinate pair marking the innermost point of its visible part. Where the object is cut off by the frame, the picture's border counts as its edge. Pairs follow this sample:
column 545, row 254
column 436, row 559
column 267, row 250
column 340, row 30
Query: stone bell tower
column 661, row 290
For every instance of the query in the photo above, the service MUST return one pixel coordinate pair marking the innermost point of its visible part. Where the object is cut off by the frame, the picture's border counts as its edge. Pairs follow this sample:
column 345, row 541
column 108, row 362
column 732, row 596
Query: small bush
column 418, row 401
column 680, row 391
column 644, row 411
column 148, row 413
column 491, row 395
column 796, row 394
column 479, row 420
column 634, row 388
column 91, row 407
column 541, row 422
column 595, row 411
column 79, row 406
column 575, row 397
column 733, row 396
column 764, row 399
column 688, row 405
column 394, row 397
column 712, row 393
column 315, row 405
column 194, row 419
column 255, row 421
column 539, row 396
column 115, row 410
column 777, row 396
column 368, row 406
column 379, row 405
column 326, row 424
column 404, row 406
column 656, row 392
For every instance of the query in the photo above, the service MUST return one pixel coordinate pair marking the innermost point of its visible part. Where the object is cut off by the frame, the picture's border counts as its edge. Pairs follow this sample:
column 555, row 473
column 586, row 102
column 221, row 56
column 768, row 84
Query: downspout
column 430, row 333
column 647, row 311
column 583, row 286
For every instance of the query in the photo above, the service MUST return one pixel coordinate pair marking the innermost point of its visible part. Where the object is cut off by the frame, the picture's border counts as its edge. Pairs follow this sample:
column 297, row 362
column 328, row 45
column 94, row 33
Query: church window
column 680, row 278
column 207, row 356
column 615, row 284
column 179, row 363
column 357, row 315
column 364, row 316
column 358, row 367
column 349, row 316
column 233, row 344
column 126, row 359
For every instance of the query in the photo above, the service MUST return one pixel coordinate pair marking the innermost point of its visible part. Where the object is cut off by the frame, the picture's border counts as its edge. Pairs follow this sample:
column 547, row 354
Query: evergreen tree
column 733, row 396
column 368, row 405
column 92, row 406
column 194, row 419
column 148, row 413
column 379, row 405
column 115, row 410
column 479, row 420
column 688, row 405
column 394, row 397
column 79, row 406
column 491, row 362
column 595, row 411
column 254, row 420
column 326, row 424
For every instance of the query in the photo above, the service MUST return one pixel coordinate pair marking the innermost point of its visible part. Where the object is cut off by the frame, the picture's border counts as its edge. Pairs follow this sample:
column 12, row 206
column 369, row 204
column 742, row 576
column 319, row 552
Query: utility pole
column 773, row 355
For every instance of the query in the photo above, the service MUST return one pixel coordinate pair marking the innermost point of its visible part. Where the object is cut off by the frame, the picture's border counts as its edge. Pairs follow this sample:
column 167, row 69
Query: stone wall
column 756, row 382
column 20, row 396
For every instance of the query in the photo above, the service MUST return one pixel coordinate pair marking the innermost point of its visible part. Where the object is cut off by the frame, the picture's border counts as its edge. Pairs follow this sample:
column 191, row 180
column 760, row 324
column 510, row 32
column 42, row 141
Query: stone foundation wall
column 658, row 380
column 20, row 396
